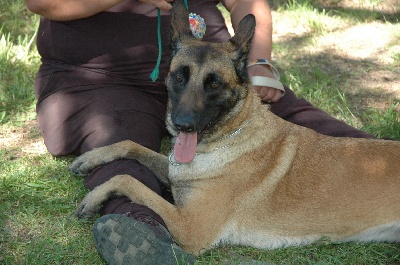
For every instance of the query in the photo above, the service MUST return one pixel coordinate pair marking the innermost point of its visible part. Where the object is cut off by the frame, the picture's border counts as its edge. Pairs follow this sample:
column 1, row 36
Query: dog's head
column 205, row 82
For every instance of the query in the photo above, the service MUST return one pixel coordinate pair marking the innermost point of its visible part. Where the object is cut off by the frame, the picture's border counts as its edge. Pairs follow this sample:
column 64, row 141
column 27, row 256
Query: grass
column 19, row 61
column 38, row 194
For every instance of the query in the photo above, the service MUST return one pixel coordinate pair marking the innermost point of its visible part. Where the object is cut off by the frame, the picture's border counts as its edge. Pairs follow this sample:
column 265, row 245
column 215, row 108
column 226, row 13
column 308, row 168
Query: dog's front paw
column 85, row 163
column 87, row 208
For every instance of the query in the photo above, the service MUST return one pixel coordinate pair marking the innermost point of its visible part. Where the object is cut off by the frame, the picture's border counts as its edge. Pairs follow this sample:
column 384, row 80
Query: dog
column 240, row 175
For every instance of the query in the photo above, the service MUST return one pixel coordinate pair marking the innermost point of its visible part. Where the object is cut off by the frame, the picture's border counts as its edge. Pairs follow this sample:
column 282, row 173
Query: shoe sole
column 121, row 240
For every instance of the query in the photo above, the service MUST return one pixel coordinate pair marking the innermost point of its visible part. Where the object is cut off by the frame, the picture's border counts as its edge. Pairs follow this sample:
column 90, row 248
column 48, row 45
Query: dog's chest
column 204, row 164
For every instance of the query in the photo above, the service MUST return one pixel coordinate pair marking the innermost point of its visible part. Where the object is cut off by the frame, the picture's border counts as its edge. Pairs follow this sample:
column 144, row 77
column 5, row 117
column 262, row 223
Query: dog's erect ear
column 244, row 33
column 242, row 41
column 180, row 27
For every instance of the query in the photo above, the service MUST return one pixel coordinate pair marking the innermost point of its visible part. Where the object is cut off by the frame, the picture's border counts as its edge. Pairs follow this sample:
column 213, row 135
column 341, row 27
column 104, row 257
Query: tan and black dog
column 242, row 176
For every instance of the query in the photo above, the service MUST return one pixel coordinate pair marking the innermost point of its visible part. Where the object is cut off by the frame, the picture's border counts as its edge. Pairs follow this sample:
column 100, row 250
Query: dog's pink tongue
column 185, row 147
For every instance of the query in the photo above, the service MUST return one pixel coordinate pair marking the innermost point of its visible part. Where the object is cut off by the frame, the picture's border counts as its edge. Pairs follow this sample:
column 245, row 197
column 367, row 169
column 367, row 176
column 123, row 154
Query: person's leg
column 76, row 122
column 80, row 121
column 301, row 112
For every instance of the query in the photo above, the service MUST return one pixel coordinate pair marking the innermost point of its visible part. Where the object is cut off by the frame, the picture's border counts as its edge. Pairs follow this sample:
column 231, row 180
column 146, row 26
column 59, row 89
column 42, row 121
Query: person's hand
column 267, row 94
column 161, row 4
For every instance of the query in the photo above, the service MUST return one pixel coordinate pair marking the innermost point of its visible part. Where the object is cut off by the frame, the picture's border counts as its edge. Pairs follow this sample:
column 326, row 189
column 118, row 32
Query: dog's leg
column 139, row 193
column 120, row 185
column 156, row 162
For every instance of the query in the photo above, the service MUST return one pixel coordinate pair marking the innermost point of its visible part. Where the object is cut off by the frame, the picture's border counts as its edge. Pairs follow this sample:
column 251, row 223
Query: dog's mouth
column 186, row 142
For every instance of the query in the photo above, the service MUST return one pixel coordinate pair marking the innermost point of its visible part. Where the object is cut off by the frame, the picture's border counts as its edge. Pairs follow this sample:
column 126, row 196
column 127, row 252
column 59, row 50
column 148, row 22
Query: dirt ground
column 366, row 51
column 19, row 141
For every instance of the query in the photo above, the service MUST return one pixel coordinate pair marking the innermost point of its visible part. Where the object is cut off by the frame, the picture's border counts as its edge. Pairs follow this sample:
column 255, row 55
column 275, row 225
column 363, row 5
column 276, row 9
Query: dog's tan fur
column 270, row 184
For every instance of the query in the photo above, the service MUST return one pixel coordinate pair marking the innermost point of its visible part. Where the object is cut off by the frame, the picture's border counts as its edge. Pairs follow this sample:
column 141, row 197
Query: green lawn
column 320, row 55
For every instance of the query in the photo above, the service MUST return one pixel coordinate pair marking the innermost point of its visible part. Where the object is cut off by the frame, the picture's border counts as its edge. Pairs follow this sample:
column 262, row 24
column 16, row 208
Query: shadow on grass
column 346, row 87
column 362, row 14
column 390, row 14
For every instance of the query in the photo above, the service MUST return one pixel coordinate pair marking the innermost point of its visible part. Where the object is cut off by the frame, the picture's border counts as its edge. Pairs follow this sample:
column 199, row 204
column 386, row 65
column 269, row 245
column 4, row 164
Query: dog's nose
column 184, row 126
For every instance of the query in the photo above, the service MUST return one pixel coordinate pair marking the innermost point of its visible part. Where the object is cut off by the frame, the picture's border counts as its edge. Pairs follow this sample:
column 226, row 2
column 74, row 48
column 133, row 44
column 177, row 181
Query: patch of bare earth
column 365, row 52
column 389, row 7
column 18, row 141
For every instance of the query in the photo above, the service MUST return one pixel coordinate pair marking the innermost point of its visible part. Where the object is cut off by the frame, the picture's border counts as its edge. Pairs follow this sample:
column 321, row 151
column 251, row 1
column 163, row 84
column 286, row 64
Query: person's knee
column 58, row 149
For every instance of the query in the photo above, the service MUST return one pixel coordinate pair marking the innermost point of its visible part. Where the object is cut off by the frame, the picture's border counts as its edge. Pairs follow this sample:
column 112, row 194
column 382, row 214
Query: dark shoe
column 123, row 240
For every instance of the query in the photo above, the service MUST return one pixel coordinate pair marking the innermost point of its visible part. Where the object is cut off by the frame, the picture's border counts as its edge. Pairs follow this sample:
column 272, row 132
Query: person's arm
column 63, row 10
column 262, row 40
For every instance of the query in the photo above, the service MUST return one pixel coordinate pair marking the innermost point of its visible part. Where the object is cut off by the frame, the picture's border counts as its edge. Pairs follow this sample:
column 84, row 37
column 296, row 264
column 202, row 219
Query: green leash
column 156, row 72
column 154, row 75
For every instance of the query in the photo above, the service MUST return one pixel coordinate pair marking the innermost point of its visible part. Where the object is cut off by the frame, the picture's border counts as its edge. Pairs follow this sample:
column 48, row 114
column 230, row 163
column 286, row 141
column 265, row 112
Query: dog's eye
column 179, row 78
column 214, row 85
